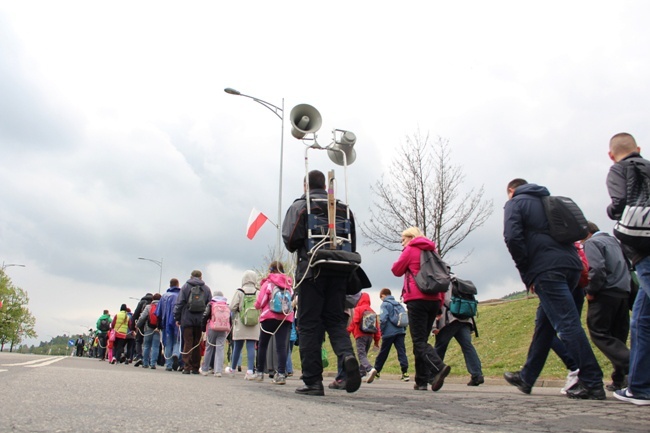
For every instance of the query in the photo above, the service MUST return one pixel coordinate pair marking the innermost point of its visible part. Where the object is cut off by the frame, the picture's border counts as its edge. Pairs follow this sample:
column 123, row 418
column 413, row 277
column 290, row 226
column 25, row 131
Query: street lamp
column 10, row 264
column 159, row 263
column 278, row 111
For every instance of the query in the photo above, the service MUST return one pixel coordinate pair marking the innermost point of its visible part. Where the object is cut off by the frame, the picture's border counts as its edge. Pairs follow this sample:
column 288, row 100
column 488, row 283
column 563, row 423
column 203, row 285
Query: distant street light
column 278, row 111
column 9, row 265
column 159, row 263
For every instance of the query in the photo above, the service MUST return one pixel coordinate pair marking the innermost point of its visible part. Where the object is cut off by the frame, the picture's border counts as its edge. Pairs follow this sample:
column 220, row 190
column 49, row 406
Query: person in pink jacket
column 422, row 311
column 364, row 339
column 276, row 316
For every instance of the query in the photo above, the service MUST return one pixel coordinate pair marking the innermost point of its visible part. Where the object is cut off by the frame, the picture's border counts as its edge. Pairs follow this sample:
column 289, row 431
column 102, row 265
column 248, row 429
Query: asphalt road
column 64, row 394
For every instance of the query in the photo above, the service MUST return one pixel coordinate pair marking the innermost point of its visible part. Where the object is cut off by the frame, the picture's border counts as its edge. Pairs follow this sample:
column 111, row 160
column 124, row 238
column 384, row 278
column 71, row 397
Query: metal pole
column 279, row 241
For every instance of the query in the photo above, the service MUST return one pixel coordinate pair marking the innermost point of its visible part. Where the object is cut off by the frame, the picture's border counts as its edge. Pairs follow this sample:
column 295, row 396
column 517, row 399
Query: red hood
column 423, row 244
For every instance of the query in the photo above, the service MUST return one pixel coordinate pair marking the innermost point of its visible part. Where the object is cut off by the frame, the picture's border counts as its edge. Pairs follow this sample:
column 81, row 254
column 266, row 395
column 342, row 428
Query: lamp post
column 278, row 111
column 5, row 266
column 160, row 264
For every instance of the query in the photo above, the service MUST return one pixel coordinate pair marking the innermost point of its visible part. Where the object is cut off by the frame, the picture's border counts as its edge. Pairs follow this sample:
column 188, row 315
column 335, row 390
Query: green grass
column 505, row 332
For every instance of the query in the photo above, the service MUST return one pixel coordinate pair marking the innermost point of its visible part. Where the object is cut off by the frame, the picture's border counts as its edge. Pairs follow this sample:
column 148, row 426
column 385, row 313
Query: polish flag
column 255, row 222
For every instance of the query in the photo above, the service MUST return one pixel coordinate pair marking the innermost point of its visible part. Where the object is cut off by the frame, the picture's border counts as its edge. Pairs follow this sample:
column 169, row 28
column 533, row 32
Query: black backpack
column 196, row 302
column 104, row 325
column 567, row 223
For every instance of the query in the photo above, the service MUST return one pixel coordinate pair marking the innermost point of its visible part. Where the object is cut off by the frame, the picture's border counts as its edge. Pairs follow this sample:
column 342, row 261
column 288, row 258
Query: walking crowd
column 269, row 317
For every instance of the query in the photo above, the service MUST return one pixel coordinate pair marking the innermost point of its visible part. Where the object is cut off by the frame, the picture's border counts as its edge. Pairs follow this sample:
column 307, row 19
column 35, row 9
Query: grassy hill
column 505, row 331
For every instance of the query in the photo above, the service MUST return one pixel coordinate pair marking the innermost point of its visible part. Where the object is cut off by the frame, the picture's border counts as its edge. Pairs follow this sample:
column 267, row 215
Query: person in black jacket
column 321, row 297
column 139, row 336
column 625, row 153
column 551, row 270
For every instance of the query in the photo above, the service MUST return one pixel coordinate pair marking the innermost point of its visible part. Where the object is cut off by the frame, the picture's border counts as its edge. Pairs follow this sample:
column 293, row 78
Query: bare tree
column 423, row 189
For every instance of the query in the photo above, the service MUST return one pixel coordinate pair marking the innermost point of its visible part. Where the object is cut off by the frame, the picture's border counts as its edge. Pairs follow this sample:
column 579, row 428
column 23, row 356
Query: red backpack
column 153, row 319
column 219, row 317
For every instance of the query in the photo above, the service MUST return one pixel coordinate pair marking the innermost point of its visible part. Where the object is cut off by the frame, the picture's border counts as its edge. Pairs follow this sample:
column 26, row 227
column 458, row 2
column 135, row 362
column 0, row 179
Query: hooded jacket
column 355, row 325
column 143, row 321
column 182, row 311
column 527, row 236
column 608, row 271
column 165, row 310
column 388, row 328
column 264, row 296
column 99, row 321
column 239, row 330
column 408, row 265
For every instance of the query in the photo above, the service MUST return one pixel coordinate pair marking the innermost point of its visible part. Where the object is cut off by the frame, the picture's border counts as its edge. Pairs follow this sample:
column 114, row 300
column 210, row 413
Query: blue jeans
column 558, row 347
column 386, row 343
column 639, row 375
column 237, row 351
column 557, row 314
column 172, row 344
column 462, row 332
column 150, row 347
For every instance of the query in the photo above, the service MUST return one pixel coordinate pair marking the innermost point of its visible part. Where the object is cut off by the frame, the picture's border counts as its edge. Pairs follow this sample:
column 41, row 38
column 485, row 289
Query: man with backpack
column 627, row 184
column 321, row 298
column 393, row 321
column 551, row 269
column 139, row 332
column 103, row 325
column 148, row 323
column 188, row 314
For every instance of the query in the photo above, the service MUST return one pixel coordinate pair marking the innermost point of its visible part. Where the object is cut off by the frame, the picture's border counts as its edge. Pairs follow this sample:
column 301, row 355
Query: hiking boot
column 279, row 379
column 370, row 377
column 203, row 372
column 476, row 381
column 175, row 362
column 420, row 387
column 571, row 380
column 580, row 391
column 625, row 395
column 258, row 377
column 439, row 379
column 337, row 384
column 405, row 377
column 515, row 379
column 137, row 363
column 353, row 375
column 315, row 389
column 614, row 386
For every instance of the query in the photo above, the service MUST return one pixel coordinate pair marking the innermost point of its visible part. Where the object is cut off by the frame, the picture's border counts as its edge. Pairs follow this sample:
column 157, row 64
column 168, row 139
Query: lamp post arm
column 274, row 108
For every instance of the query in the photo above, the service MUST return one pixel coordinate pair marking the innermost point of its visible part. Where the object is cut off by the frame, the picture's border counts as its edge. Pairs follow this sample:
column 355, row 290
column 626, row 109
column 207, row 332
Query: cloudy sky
column 117, row 140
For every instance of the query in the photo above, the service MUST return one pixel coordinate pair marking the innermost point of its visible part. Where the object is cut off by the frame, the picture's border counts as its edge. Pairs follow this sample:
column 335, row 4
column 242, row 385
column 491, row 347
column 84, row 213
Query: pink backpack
column 220, row 317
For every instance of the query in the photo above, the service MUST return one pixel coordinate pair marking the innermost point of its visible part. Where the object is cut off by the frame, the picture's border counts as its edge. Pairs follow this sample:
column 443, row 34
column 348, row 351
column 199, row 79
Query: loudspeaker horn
column 344, row 144
column 305, row 119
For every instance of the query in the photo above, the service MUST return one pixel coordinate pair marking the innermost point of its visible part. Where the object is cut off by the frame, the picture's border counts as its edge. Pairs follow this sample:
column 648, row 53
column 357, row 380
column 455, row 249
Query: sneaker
column 249, row 375
column 279, row 379
column 203, row 372
column 217, row 374
column 239, row 368
column 439, row 379
column 153, row 367
column 580, row 391
column 195, row 371
column 137, row 363
column 175, row 362
column 625, row 395
column 515, row 379
column 290, row 373
column 259, row 377
column 420, row 387
column 114, row 361
column 614, row 386
column 364, row 378
column 371, row 375
column 353, row 375
column 476, row 381
column 405, row 377
column 337, row 384
column 229, row 371
column 143, row 366
column 571, row 381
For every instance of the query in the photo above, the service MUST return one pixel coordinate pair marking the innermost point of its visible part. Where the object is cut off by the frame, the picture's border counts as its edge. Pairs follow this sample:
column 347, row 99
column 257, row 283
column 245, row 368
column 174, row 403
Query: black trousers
column 320, row 307
column 422, row 314
column 608, row 321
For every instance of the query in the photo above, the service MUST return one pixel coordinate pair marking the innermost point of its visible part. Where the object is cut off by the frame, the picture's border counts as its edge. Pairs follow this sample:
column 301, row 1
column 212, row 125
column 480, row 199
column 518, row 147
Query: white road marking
column 27, row 362
column 47, row 362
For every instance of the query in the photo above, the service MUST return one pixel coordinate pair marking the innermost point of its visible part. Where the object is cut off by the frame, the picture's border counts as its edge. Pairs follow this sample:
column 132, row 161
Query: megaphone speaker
column 305, row 119
column 344, row 145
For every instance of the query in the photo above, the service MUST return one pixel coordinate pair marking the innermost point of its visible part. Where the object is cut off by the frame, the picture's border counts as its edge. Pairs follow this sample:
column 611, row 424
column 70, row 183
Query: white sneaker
column 249, row 375
column 203, row 372
column 259, row 377
column 230, row 372
column 571, row 380
column 371, row 375
column 217, row 375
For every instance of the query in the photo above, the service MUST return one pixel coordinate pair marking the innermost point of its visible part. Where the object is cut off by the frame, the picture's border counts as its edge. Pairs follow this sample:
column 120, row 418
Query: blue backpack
column 399, row 317
column 280, row 301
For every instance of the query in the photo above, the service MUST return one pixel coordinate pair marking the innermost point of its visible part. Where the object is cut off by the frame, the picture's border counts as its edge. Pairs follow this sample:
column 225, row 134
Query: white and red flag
column 255, row 222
